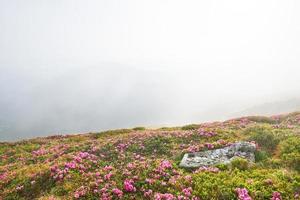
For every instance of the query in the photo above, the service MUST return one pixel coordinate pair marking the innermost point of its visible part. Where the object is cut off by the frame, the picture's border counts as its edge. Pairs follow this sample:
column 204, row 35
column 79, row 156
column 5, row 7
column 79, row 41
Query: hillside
column 272, row 108
column 141, row 163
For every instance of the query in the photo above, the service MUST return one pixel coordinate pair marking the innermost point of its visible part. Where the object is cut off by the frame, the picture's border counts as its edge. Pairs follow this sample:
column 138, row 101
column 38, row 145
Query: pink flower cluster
column 70, row 165
column 194, row 148
column 161, row 170
column 80, row 192
column 129, row 185
column 58, row 174
column 243, row 194
column 148, row 193
column 122, row 147
column 165, row 164
column 108, row 176
column 209, row 145
column 108, row 168
column 3, row 176
column 187, row 191
column 76, row 163
column 169, row 196
column 39, row 152
column 276, row 196
column 117, row 192
column 205, row 133
column 166, row 196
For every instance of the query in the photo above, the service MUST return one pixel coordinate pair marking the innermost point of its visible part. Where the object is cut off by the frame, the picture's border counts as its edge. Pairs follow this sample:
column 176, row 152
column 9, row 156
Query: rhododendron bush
column 144, row 163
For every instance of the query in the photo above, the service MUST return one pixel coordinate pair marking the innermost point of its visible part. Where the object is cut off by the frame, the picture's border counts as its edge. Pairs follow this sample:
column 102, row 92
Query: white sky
column 163, row 62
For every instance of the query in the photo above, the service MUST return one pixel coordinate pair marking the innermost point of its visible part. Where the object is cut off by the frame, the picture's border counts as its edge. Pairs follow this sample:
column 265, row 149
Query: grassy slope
column 67, row 167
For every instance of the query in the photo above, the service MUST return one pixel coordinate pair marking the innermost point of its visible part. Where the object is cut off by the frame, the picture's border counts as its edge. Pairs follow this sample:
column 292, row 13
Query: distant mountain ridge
column 273, row 108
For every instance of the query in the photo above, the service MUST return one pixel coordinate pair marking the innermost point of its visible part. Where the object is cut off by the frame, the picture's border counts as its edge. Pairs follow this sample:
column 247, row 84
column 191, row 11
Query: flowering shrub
column 129, row 186
column 118, row 192
column 242, row 194
column 205, row 133
column 222, row 185
column 144, row 164
column 276, row 196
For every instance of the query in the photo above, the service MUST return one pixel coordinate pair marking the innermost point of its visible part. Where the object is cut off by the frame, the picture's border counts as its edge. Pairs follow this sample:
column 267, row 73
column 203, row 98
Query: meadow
column 143, row 163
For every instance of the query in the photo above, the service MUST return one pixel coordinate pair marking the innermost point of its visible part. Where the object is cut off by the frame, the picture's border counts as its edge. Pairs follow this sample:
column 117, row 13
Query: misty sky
column 71, row 66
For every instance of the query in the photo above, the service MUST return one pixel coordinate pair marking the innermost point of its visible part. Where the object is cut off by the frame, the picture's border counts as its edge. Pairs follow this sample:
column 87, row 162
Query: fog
column 70, row 66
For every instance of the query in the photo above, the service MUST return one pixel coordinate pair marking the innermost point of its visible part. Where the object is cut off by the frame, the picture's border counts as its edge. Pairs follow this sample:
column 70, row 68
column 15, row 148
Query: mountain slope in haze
column 273, row 108
column 141, row 163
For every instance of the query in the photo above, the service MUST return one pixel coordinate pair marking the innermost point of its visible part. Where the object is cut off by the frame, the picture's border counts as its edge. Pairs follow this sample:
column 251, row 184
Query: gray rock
column 219, row 156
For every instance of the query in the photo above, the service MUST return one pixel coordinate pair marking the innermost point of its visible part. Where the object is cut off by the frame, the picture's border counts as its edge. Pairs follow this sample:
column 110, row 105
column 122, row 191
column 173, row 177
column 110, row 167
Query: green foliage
column 264, row 137
column 59, row 190
column 240, row 163
column 290, row 152
column 110, row 133
column 261, row 119
column 157, row 145
column 110, row 152
column 139, row 128
column 261, row 155
column 42, row 183
column 169, row 128
column 222, row 185
column 256, row 129
column 273, row 163
column 222, row 167
column 190, row 127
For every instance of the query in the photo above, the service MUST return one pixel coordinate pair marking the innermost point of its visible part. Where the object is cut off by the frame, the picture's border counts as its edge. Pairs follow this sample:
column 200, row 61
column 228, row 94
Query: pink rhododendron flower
column 148, row 193
column 97, row 174
column 76, row 196
column 129, row 185
column 187, row 191
column 108, row 176
column 80, row 192
column 40, row 152
column 166, row 196
column 209, row 145
column 188, row 178
column 276, row 196
column 204, row 133
column 193, row 148
column 3, row 176
column 83, row 154
column 130, row 166
column 165, row 164
column 70, row 165
column 149, row 181
column 243, row 194
column 122, row 147
column 117, row 192
column 107, row 168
